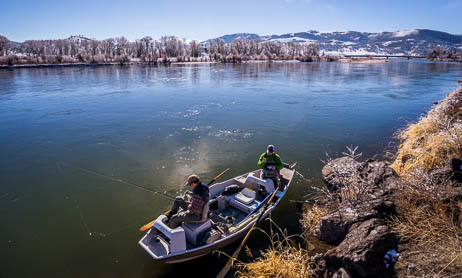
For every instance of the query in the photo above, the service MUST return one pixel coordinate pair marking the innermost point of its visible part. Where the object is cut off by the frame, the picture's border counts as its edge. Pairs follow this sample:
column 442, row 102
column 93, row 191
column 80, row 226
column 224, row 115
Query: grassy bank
column 429, row 220
column 433, row 140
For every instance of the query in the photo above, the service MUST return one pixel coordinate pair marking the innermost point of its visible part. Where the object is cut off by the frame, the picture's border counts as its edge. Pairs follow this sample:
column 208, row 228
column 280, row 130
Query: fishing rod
column 150, row 224
column 118, row 180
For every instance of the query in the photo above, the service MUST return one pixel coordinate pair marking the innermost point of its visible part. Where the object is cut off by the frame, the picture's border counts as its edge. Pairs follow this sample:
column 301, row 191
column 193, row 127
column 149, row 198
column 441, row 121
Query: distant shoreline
column 365, row 60
column 136, row 64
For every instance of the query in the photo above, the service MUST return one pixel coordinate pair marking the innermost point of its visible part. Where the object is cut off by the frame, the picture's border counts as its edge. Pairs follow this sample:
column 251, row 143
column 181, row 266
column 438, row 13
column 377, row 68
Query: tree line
column 78, row 49
column 440, row 53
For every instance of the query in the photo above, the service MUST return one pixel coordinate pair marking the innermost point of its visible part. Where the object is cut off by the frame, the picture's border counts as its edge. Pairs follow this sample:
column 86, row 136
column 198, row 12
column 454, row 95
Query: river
column 70, row 137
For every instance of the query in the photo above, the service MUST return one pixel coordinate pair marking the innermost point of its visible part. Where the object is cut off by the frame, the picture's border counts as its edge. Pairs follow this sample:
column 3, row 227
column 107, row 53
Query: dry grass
column 311, row 218
column 428, row 221
column 430, row 142
column 433, row 229
column 288, row 262
column 282, row 259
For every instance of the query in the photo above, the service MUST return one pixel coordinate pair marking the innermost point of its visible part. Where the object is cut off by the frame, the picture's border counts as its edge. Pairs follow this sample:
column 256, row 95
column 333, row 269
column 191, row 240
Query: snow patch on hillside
column 294, row 39
column 388, row 43
column 349, row 43
column 401, row 34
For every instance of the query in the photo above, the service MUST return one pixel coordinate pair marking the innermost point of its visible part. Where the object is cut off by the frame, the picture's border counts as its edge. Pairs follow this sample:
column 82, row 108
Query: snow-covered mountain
column 409, row 42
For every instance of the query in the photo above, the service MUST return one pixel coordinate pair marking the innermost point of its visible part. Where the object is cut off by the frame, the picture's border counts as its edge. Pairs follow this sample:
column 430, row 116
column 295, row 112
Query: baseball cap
column 192, row 179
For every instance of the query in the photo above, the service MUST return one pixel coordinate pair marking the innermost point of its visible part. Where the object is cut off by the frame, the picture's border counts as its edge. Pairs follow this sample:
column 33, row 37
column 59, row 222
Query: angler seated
column 189, row 210
column 270, row 163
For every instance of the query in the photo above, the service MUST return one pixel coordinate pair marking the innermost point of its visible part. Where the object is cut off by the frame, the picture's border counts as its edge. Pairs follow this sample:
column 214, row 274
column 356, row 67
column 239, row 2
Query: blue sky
column 203, row 19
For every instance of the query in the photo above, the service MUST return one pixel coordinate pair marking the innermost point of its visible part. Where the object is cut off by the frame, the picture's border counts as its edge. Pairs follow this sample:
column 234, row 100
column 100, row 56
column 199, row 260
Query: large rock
column 333, row 227
column 376, row 172
column 375, row 178
column 363, row 249
column 339, row 170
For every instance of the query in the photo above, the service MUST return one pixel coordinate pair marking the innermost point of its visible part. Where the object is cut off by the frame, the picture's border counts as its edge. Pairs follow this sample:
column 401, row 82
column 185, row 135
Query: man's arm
column 279, row 165
column 261, row 163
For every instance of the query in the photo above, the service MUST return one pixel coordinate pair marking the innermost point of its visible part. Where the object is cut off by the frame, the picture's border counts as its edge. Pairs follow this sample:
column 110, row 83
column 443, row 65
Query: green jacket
column 273, row 159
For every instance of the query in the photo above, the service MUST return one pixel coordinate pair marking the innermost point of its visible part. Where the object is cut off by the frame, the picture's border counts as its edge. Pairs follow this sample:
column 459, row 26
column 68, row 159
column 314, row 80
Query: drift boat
column 234, row 206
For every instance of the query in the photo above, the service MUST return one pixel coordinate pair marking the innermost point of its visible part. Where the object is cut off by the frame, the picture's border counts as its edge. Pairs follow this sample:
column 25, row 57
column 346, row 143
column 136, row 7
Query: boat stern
column 162, row 241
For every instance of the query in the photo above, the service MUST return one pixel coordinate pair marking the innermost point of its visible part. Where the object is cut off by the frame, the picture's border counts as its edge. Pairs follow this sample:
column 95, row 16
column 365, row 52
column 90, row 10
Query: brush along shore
column 381, row 219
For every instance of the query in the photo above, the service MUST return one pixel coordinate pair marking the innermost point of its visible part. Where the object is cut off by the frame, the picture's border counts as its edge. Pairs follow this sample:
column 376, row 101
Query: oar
column 229, row 264
column 149, row 225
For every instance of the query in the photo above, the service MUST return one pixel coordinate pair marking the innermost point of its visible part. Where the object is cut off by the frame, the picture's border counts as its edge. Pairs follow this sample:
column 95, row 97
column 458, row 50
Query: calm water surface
column 155, row 126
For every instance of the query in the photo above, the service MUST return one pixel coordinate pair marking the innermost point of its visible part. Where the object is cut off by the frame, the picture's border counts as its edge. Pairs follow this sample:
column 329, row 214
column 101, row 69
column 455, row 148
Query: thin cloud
column 453, row 5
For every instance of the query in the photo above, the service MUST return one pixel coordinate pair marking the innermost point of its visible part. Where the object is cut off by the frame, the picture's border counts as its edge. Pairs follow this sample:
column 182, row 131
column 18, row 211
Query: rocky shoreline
column 364, row 244
column 360, row 224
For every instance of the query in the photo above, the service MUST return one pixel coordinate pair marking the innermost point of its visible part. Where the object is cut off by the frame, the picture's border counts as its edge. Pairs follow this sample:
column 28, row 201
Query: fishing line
column 116, row 230
column 124, row 227
column 82, row 218
column 118, row 180
column 120, row 228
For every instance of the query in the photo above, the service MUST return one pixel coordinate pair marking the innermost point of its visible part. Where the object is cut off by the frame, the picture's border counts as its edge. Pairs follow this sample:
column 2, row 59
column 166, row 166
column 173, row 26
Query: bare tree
column 169, row 48
column 4, row 42
column 94, row 45
column 195, row 48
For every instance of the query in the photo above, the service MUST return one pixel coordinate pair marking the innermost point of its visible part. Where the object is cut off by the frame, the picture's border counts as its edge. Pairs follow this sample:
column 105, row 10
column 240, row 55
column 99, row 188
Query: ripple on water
column 9, row 198
column 63, row 113
column 123, row 92
column 171, row 79
column 231, row 134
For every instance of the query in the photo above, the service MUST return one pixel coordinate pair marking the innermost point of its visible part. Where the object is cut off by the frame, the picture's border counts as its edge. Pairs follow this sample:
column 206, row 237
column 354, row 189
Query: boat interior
column 231, row 202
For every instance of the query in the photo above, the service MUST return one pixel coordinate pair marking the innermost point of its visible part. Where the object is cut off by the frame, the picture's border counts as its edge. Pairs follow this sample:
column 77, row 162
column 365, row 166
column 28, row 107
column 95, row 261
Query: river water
column 68, row 134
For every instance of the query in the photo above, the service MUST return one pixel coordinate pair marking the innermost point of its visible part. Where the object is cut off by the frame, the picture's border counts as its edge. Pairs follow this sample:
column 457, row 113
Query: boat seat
column 246, row 196
column 193, row 228
column 268, row 183
column 176, row 235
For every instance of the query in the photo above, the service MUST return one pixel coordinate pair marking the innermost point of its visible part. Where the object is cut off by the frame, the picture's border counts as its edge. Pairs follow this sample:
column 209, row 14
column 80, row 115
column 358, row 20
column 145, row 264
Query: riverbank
column 364, row 60
column 136, row 64
column 402, row 219
column 445, row 60
column 169, row 62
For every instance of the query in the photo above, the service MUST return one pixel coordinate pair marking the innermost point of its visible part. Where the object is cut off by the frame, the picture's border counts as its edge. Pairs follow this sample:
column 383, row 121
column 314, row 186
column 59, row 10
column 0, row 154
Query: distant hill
column 408, row 42
column 78, row 38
